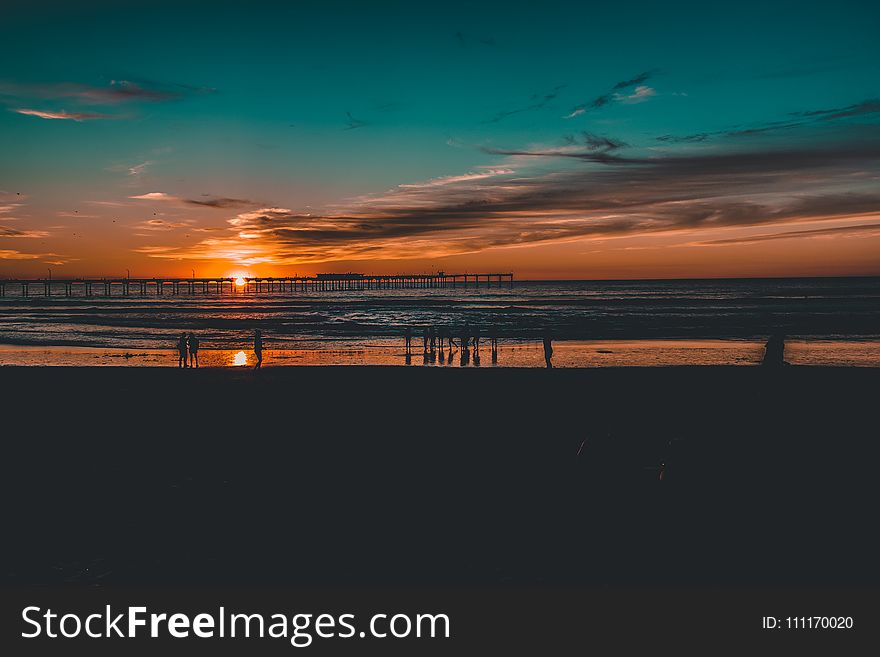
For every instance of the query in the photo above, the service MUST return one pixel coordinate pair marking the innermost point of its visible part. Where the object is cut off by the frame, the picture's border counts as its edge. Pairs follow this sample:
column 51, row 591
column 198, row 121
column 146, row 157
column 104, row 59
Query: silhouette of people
column 443, row 332
column 465, row 337
column 774, row 351
column 548, row 351
column 181, row 351
column 407, row 334
column 432, row 336
column 493, row 342
column 193, row 343
column 258, row 348
column 425, row 340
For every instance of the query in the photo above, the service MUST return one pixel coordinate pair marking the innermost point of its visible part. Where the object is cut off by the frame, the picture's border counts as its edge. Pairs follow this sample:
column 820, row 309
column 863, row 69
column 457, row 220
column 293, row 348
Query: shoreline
column 575, row 354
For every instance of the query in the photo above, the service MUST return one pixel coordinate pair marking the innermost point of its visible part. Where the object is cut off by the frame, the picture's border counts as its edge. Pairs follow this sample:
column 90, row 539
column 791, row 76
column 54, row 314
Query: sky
column 548, row 139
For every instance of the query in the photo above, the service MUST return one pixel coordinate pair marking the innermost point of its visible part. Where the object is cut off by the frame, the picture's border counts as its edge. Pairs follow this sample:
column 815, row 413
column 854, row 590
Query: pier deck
column 125, row 286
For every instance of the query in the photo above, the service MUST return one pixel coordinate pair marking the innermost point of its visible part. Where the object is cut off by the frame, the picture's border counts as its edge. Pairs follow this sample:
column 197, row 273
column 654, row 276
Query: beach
column 663, row 476
column 509, row 354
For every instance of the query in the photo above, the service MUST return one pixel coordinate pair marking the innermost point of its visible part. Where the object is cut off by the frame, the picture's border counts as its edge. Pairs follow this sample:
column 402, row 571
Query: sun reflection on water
column 239, row 359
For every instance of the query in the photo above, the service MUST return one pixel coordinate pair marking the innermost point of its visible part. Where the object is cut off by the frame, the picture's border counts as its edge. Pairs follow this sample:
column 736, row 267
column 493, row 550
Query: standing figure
column 181, row 351
column 258, row 348
column 432, row 336
column 443, row 332
column 548, row 351
column 407, row 334
column 193, row 343
column 774, row 351
column 465, row 338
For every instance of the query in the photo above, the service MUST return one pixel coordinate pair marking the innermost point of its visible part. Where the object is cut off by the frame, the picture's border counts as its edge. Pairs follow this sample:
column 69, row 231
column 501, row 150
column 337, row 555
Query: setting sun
column 240, row 282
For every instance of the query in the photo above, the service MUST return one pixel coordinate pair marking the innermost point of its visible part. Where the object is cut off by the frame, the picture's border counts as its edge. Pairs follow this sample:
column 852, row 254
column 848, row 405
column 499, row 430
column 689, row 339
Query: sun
column 240, row 282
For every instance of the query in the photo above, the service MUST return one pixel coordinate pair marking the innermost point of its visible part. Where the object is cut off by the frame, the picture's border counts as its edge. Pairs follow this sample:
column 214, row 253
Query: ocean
column 826, row 320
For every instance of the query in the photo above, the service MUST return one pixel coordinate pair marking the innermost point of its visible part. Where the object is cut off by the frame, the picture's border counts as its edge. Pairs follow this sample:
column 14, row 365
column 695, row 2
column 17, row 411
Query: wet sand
column 524, row 353
column 695, row 476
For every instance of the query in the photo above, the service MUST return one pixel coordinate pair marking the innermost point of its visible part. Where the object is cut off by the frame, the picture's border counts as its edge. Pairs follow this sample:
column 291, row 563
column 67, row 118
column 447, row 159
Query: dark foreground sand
column 394, row 476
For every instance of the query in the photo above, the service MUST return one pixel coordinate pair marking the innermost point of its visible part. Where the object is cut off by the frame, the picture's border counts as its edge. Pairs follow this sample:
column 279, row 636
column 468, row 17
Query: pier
column 125, row 286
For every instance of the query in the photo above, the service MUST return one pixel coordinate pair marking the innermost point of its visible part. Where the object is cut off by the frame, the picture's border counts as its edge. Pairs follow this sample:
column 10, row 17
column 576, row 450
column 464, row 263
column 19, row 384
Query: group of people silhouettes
column 188, row 350
column 436, row 340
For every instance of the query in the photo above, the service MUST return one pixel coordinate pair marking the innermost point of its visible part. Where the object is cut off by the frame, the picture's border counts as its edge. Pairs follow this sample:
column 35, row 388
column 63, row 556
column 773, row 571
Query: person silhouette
column 774, row 351
column 258, row 348
column 443, row 334
column 432, row 337
column 193, row 343
column 548, row 350
column 181, row 351
column 407, row 334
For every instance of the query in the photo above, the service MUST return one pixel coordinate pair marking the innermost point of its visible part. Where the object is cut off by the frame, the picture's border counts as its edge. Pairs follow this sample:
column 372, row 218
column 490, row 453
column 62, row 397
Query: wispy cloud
column 155, row 196
column 8, row 209
column 207, row 201
column 116, row 92
column 28, row 97
column 152, row 225
column 866, row 108
column 63, row 114
column 871, row 106
column 8, row 231
column 639, row 94
column 855, row 231
column 354, row 123
column 139, row 169
column 12, row 254
column 539, row 101
column 599, row 195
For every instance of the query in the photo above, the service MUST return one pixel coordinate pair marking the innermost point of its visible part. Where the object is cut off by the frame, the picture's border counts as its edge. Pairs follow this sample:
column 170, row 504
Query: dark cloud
column 871, row 106
column 206, row 201
column 604, row 99
column 607, row 196
column 540, row 101
column 804, row 119
column 8, row 231
column 602, row 143
column 684, row 139
column 641, row 77
column 221, row 202
column 43, row 99
column 354, row 123
column 792, row 234
column 118, row 91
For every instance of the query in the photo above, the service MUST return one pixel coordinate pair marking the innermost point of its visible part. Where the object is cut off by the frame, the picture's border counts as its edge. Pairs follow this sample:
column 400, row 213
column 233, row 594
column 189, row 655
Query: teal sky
column 278, row 138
